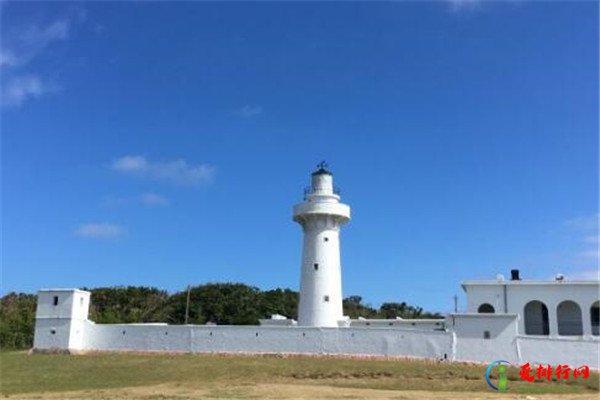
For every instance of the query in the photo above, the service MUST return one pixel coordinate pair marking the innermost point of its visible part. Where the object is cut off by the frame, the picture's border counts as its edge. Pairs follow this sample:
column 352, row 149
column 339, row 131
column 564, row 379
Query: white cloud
column 587, row 275
column 586, row 228
column 177, row 171
column 152, row 199
column 250, row 110
column 130, row 164
column 20, row 46
column 457, row 5
column 8, row 58
column 585, row 223
column 24, row 43
column 19, row 89
column 590, row 253
column 100, row 231
column 146, row 199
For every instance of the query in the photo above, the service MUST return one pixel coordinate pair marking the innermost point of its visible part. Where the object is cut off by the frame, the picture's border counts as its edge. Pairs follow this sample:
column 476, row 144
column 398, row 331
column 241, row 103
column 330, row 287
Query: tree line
column 219, row 303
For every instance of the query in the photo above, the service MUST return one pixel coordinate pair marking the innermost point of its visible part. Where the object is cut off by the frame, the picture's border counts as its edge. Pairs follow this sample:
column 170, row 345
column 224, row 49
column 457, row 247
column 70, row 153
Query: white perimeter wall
column 540, row 350
column 357, row 341
column 465, row 340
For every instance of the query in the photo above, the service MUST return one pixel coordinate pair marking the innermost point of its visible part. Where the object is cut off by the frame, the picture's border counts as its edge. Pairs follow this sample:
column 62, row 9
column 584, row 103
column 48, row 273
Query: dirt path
column 285, row 391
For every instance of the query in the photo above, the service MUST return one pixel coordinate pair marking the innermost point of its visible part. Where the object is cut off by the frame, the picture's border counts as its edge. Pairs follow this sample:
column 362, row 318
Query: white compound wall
column 464, row 337
column 260, row 339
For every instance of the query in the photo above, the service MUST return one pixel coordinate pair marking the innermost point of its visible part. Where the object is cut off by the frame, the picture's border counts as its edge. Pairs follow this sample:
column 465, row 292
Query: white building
column 549, row 322
column 547, row 308
column 321, row 216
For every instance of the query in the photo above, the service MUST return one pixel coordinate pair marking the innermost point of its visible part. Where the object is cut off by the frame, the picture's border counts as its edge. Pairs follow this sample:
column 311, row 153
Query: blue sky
column 164, row 144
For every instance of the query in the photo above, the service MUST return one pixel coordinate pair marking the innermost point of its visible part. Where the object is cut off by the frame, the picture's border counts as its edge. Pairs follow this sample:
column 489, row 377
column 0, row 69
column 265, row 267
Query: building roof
column 63, row 290
column 495, row 282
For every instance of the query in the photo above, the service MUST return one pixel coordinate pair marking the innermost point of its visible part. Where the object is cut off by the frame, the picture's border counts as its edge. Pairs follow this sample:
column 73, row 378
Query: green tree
column 279, row 301
column 128, row 304
column 17, row 316
column 403, row 310
column 220, row 303
column 354, row 308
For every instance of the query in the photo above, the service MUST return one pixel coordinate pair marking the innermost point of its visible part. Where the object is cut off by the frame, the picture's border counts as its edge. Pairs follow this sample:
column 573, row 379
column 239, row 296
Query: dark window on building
column 536, row 318
column 55, row 300
column 326, row 239
column 486, row 308
column 568, row 318
column 316, row 266
column 53, row 331
column 595, row 318
column 326, row 298
column 486, row 334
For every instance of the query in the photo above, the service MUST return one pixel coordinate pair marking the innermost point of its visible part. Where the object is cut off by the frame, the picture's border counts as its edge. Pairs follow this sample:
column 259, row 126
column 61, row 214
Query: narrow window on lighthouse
column 316, row 265
column 326, row 239
column 326, row 298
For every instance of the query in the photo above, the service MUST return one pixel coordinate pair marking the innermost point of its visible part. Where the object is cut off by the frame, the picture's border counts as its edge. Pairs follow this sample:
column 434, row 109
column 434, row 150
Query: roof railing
column 309, row 190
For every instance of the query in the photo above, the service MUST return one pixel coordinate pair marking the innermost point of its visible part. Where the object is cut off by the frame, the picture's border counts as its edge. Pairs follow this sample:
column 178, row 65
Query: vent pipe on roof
column 514, row 275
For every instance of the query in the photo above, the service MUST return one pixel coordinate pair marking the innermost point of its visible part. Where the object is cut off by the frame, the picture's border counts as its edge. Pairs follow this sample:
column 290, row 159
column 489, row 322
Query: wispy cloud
column 146, row 199
column 250, row 110
column 587, row 275
column 26, row 42
column 20, row 46
column 586, row 227
column 594, row 239
column 583, row 223
column 100, row 231
column 573, row 248
column 460, row 5
column 152, row 199
column 589, row 253
column 18, row 89
column 177, row 171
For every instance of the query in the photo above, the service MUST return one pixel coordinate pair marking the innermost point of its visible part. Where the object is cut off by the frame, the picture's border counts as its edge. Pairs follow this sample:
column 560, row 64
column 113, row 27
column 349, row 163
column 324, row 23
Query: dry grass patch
column 127, row 375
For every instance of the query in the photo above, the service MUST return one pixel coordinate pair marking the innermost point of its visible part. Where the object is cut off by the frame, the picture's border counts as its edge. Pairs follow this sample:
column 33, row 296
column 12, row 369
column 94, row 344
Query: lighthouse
column 321, row 215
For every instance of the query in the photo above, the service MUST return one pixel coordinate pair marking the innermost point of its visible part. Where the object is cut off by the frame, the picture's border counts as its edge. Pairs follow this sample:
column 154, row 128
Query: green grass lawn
column 23, row 373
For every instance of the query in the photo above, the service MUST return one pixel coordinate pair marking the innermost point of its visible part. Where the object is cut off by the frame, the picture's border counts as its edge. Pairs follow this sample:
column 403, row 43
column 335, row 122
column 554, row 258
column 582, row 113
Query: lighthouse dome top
column 322, row 169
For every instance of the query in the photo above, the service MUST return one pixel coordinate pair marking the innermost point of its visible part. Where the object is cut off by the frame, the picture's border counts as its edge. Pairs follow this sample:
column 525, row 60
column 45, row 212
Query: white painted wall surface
column 255, row 339
column 471, row 330
column 519, row 293
column 61, row 315
column 420, row 324
column 52, row 333
column 464, row 343
column 72, row 303
column 570, row 351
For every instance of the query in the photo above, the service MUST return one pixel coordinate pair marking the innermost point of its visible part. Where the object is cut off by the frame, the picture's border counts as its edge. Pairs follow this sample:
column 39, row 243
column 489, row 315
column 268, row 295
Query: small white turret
column 60, row 319
column 321, row 216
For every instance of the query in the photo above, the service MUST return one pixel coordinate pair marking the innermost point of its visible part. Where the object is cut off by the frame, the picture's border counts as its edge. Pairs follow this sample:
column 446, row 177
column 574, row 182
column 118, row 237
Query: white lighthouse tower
column 321, row 216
